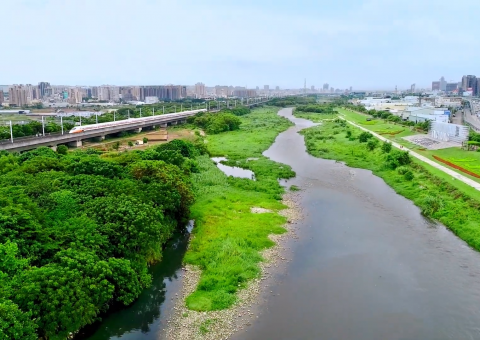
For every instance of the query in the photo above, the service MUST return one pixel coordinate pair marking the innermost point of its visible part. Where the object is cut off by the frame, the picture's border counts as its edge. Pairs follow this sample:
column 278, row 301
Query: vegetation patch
column 78, row 231
column 227, row 235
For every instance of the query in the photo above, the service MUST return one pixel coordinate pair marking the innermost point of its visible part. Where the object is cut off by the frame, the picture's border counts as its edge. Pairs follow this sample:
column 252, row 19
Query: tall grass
column 228, row 237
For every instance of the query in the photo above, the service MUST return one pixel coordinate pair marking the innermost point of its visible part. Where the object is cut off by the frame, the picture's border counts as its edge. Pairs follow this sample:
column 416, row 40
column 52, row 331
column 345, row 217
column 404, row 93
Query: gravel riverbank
column 186, row 324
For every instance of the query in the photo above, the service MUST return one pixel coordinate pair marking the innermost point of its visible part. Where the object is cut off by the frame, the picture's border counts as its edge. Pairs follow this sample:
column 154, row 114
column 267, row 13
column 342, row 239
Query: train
column 118, row 123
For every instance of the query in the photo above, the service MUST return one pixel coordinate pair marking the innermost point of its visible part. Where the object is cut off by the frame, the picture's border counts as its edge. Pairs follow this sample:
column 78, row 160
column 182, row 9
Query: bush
column 402, row 170
column 408, row 175
column 130, row 143
column 364, row 137
column 430, row 205
column 62, row 149
column 386, row 147
column 348, row 134
column 145, row 140
column 372, row 144
column 397, row 158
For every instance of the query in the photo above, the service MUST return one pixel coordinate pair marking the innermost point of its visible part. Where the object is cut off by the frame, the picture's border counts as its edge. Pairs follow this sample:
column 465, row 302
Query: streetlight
column 11, row 131
column 61, row 123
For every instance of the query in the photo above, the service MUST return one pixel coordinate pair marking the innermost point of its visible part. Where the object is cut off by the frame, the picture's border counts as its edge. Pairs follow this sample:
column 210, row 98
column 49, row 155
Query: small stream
column 233, row 170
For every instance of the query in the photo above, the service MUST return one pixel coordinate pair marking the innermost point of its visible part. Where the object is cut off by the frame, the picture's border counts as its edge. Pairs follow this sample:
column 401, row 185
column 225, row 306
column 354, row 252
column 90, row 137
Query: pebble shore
column 185, row 324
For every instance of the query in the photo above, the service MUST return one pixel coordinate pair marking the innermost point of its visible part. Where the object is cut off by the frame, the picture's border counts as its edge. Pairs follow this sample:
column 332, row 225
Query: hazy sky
column 364, row 44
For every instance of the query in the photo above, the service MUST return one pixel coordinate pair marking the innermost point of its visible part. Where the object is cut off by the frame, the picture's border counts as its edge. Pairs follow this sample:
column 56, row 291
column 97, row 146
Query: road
column 448, row 171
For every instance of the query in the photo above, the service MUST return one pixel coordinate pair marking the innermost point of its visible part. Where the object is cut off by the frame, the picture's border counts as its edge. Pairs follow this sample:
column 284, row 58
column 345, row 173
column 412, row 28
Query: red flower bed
column 456, row 166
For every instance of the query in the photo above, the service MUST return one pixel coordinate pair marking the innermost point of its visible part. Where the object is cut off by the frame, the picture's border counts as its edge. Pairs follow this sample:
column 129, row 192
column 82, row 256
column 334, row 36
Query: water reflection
column 233, row 170
column 145, row 318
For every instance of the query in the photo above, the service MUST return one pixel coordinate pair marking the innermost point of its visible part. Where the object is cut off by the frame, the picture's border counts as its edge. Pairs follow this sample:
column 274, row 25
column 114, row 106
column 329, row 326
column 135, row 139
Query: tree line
column 78, row 231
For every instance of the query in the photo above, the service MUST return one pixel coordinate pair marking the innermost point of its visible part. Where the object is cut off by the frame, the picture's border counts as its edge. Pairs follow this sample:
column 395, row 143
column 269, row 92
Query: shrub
column 145, row 140
column 397, row 158
column 386, row 147
column 408, row 175
column 62, row 149
column 348, row 134
column 402, row 170
column 130, row 143
column 430, row 205
column 372, row 144
column 364, row 137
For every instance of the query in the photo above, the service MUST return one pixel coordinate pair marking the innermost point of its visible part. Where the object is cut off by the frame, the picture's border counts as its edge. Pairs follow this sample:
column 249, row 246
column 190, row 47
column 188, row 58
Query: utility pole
column 163, row 109
column 43, row 127
column 113, row 115
column 61, row 123
column 153, row 111
column 11, row 132
column 140, row 112
column 96, row 118
column 128, row 117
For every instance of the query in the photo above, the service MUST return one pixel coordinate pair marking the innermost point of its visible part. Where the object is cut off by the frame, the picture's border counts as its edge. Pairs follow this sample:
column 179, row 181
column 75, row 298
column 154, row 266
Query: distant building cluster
column 468, row 86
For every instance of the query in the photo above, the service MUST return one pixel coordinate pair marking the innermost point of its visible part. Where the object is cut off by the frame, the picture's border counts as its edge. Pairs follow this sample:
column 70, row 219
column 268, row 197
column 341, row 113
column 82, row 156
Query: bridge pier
column 99, row 138
column 164, row 125
column 174, row 123
column 54, row 148
column 136, row 130
column 75, row 144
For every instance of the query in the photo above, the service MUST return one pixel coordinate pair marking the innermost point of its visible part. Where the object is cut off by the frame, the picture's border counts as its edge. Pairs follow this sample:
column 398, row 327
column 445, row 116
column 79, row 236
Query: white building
column 151, row 100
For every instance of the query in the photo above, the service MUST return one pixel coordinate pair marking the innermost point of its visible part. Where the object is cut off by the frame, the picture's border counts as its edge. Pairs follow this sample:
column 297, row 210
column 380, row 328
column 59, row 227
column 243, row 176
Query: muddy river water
column 367, row 266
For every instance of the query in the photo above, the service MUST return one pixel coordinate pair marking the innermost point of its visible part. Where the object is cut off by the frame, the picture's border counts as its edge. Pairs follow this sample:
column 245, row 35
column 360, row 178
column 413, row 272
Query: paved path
column 448, row 171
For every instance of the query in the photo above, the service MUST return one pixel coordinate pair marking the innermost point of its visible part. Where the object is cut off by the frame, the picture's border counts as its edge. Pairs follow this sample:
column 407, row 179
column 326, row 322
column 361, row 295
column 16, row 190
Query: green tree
column 62, row 149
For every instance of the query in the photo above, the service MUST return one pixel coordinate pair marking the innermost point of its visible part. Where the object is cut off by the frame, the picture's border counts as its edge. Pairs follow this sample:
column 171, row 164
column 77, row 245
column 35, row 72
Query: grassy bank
column 469, row 160
column 438, row 196
column 228, row 237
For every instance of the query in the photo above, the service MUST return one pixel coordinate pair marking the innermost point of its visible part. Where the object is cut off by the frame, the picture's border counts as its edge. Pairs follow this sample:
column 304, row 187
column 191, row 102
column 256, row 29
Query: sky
column 371, row 44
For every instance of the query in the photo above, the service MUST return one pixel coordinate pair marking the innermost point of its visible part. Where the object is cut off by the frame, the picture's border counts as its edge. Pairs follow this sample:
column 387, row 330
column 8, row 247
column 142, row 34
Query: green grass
column 205, row 325
column 227, row 236
column 440, row 197
column 450, row 154
column 314, row 116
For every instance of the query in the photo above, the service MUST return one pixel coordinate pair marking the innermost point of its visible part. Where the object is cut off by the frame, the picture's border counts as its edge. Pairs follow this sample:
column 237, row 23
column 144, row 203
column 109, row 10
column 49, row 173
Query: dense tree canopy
column 78, row 231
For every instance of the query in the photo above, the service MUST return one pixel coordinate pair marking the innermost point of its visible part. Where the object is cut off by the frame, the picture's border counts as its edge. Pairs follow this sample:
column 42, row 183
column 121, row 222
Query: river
column 368, row 265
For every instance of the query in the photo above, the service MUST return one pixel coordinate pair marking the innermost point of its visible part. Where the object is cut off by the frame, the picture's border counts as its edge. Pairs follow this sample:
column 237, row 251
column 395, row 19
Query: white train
column 83, row 128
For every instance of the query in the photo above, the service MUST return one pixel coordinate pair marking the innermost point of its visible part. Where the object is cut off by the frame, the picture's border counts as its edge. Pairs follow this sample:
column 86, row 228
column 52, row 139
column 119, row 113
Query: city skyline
column 346, row 43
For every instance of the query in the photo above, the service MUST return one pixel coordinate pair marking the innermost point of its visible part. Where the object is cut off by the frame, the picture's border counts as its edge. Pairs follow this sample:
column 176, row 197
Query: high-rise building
column 312, row 87
column 331, row 89
column 435, row 86
column 451, row 87
column 325, row 87
column 42, row 89
column 200, row 90
column 277, row 88
column 222, row 91
column 17, row 95
column 75, row 95
column 2, row 97
column 163, row 92
column 351, row 89
column 443, row 84
column 412, row 88
column 266, row 88
column 468, row 82
column 243, row 92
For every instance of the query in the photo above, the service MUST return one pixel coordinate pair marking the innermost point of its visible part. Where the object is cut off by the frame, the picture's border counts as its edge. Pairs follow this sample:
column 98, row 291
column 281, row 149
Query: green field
column 227, row 236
